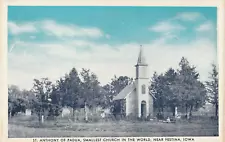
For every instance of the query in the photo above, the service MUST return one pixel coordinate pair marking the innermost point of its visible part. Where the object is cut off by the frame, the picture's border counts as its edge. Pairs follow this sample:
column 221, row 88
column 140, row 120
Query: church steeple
column 141, row 59
column 141, row 66
column 142, row 91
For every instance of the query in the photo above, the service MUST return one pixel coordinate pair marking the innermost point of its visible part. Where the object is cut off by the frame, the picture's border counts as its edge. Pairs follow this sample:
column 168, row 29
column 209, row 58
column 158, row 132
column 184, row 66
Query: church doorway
column 143, row 109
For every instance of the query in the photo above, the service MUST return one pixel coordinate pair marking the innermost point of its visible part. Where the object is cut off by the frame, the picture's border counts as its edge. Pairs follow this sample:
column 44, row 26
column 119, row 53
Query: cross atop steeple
column 141, row 58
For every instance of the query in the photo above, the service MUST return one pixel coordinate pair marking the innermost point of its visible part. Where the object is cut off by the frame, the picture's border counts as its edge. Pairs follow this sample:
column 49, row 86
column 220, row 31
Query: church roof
column 126, row 91
column 141, row 58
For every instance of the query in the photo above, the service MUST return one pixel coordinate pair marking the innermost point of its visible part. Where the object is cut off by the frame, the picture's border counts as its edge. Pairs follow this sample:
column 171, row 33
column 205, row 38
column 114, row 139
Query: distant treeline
column 174, row 88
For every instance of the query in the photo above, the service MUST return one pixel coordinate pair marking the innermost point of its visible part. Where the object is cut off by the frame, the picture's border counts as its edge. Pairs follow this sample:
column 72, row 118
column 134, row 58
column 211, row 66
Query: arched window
column 143, row 89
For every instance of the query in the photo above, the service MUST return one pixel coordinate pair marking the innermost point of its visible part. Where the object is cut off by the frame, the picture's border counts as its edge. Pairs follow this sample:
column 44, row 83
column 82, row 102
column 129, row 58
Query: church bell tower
column 144, row 100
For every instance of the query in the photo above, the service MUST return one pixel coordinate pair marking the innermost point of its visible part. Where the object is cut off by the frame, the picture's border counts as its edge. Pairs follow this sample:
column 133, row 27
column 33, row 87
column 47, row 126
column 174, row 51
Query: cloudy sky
column 49, row 41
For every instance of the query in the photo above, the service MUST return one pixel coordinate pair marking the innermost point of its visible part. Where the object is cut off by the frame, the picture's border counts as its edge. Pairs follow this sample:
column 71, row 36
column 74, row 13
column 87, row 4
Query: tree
column 161, row 89
column 92, row 92
column 14, row 92
column 42, row 90
column 171, row 99
column 180, row 88
column 28, row 95
column 17, row 101
column 120, row 82
column 69, row 89
column 212, row 88
column 157, row 89
column 55, row 106
column 188, row 89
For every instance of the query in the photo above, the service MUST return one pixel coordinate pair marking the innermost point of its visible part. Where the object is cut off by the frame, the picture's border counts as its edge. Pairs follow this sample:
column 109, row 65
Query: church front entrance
column 143, row 109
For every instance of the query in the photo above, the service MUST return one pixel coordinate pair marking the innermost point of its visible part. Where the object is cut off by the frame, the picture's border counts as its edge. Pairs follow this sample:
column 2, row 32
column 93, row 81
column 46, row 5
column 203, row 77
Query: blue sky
column 107, row 40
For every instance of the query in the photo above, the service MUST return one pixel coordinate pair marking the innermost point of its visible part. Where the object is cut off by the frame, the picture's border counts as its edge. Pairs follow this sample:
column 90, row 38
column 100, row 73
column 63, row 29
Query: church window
column 143, row 89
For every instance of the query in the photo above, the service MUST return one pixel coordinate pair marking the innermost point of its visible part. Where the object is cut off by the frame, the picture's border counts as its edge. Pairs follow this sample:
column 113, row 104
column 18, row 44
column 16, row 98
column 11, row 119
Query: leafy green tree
column 120, row 82
column 16, row 101
column 42, row 90
column 161, row 88
column 14, row 91
column 55, row 106
column 171, row 99
column 69, row 89
column 180, row 88
column 190, row 92
column 156, row 89
column 28, row 95
column 92, row 93
column 212, row 88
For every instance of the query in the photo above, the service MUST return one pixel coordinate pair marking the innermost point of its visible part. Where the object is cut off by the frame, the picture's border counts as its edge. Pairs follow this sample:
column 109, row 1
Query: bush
column 95, row 117
column 160, row 116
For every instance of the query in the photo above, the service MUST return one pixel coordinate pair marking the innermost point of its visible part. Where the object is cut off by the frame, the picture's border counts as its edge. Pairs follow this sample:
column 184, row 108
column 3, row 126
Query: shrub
column 160, row 116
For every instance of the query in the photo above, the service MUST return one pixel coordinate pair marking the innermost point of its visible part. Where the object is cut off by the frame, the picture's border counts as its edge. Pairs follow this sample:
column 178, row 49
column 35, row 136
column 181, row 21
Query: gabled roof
column 153, row 96
column 126, row 91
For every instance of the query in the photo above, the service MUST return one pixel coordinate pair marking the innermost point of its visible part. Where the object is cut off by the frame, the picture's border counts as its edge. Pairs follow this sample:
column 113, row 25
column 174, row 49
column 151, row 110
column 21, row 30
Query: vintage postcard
column 115, row 72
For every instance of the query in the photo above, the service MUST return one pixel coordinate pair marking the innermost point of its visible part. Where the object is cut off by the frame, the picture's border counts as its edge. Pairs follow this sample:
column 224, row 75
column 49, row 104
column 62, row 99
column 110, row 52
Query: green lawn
column 28, row 128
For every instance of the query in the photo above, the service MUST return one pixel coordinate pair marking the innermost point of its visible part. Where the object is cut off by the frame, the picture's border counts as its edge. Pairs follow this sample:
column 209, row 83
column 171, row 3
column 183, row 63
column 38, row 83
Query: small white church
column 136, row 98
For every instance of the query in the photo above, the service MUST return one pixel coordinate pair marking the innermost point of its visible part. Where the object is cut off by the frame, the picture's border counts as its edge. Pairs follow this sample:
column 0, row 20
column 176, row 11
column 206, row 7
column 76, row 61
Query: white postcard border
column 206, row 3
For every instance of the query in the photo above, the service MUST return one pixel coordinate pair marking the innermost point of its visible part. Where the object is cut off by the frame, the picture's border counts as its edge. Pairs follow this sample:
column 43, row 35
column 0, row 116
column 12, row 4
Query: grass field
column 29, row 128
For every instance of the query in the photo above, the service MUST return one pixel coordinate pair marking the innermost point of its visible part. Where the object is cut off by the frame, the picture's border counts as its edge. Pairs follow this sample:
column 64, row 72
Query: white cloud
column 16, row 29
column 53, row 60
column 51, row 27
column 188, row 16
column 64, row 30
column 173, row 24
column 205, row 27
column 166, row 26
